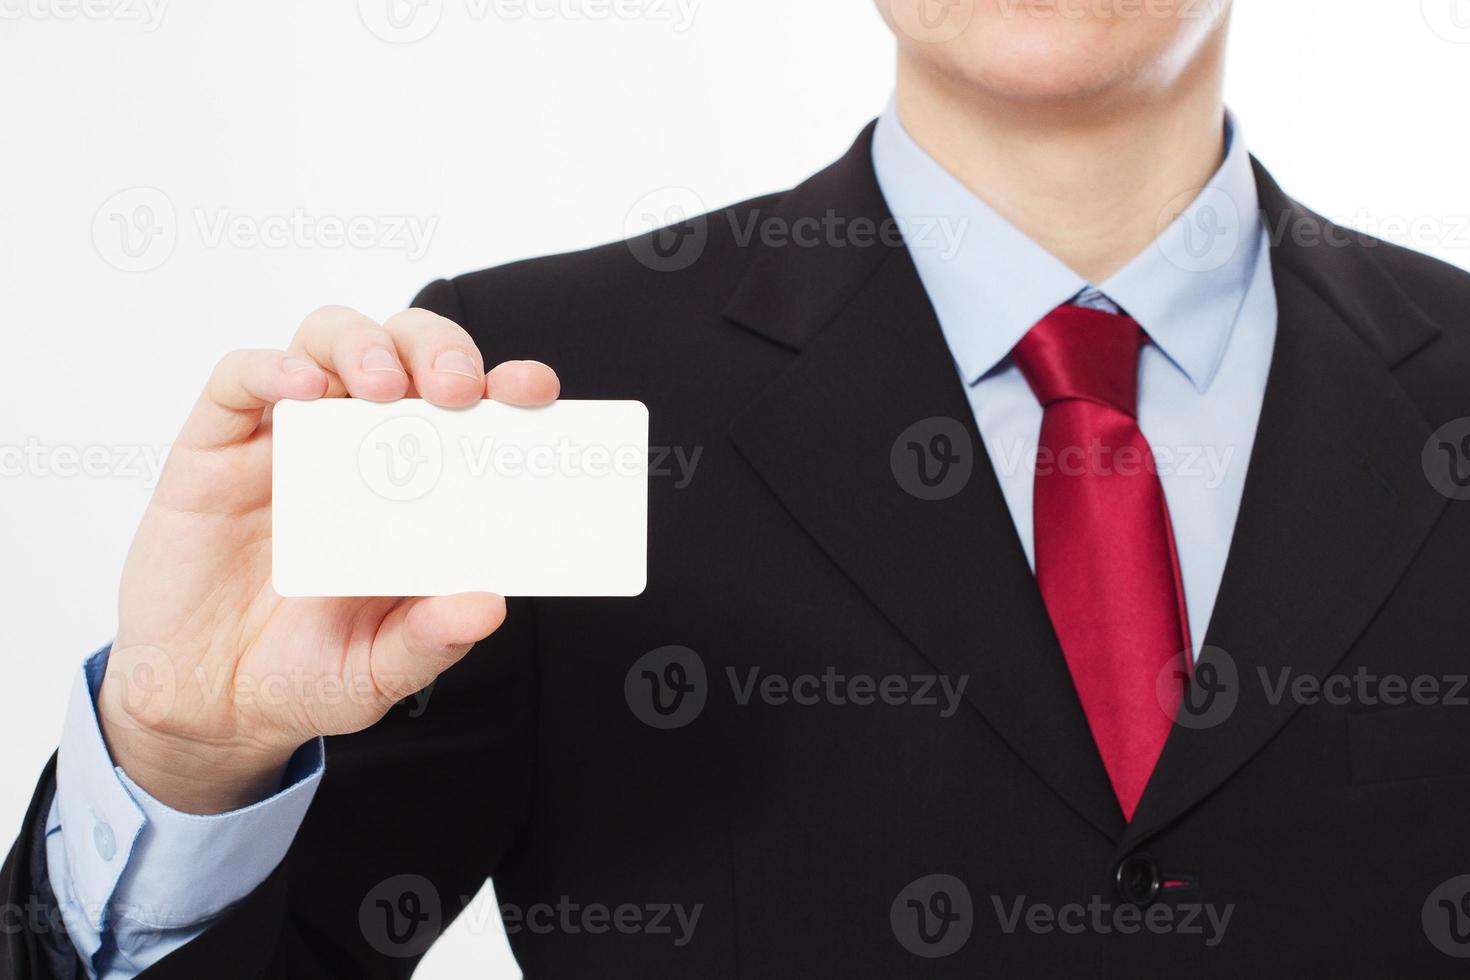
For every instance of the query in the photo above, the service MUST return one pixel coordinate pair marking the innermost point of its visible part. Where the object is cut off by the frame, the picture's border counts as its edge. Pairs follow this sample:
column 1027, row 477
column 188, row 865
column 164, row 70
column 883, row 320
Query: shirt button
column 103, row 839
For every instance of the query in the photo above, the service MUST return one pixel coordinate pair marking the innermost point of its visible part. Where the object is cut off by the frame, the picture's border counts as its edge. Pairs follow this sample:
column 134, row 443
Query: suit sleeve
column 411, row 817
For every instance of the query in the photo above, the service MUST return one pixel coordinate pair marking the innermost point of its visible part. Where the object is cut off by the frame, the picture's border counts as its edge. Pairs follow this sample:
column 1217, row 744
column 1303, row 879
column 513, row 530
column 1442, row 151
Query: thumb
column 421, row 638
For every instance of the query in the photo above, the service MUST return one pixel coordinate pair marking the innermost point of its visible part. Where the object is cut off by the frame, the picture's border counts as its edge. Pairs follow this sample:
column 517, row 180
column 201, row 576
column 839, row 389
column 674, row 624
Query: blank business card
column 406, row 499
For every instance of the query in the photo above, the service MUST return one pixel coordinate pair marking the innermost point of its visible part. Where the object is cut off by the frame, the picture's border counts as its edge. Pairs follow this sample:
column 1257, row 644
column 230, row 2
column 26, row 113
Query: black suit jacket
column 858, row 840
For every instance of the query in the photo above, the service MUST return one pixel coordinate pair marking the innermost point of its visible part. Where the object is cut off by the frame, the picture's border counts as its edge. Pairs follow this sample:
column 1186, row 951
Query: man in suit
column 1066, row 581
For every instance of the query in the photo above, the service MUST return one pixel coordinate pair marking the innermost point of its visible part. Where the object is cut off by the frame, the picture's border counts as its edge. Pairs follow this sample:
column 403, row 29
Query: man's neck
column 1092, row 183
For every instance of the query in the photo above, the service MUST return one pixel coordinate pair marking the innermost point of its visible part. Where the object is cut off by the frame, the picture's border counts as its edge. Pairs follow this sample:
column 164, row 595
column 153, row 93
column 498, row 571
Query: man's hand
column 214, row 681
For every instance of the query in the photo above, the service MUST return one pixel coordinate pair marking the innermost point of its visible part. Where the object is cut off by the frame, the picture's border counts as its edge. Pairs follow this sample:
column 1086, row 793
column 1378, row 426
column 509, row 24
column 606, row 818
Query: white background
column 498, row 136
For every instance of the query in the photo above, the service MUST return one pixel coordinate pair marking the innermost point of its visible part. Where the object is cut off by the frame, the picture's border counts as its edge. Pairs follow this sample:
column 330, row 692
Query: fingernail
column 380, row 359
column 293, row 364
column 457, row 362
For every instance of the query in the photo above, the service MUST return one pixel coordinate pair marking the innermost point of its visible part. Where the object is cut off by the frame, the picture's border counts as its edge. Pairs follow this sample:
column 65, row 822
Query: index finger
column 244, row 384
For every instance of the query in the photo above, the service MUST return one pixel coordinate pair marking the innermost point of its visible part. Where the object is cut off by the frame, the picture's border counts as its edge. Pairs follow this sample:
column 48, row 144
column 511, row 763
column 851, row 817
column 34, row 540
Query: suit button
column 1137, row 879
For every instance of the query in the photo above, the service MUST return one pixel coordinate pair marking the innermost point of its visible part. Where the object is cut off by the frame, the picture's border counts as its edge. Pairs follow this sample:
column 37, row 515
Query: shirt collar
column 989, row 283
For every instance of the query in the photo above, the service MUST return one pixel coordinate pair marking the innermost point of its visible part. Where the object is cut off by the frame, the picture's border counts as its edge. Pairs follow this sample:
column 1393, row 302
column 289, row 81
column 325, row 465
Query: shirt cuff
column 135, row 867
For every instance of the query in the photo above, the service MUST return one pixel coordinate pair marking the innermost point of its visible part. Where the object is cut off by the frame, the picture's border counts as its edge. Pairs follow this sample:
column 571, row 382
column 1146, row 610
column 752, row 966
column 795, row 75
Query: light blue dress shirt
column 136, row 880
column 1202, row 291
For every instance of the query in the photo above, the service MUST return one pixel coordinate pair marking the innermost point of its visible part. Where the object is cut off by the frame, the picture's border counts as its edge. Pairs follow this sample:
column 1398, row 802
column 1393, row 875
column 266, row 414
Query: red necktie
column 1105, row 559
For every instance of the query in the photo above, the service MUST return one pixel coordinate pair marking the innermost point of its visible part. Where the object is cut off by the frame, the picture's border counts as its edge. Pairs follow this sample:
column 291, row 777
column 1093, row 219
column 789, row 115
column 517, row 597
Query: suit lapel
column 1334, row 509
column 948, row 574
column 1335, row 504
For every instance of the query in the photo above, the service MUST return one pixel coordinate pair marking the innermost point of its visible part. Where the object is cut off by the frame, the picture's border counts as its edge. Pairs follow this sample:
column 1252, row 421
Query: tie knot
column 1075, row 353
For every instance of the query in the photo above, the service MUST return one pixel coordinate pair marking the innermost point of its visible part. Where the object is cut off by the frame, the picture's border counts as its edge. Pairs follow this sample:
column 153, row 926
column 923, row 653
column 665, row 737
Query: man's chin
column 1041, row 57
column 1036, row 75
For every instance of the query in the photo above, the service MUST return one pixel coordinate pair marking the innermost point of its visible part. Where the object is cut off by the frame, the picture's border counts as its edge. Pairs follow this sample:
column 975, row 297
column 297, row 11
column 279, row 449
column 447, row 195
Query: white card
column 405, row 498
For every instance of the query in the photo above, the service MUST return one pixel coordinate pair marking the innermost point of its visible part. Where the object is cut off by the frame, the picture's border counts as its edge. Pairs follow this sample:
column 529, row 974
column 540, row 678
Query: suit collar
column 1342, row 267
column 788, row 294
column 990, row 283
